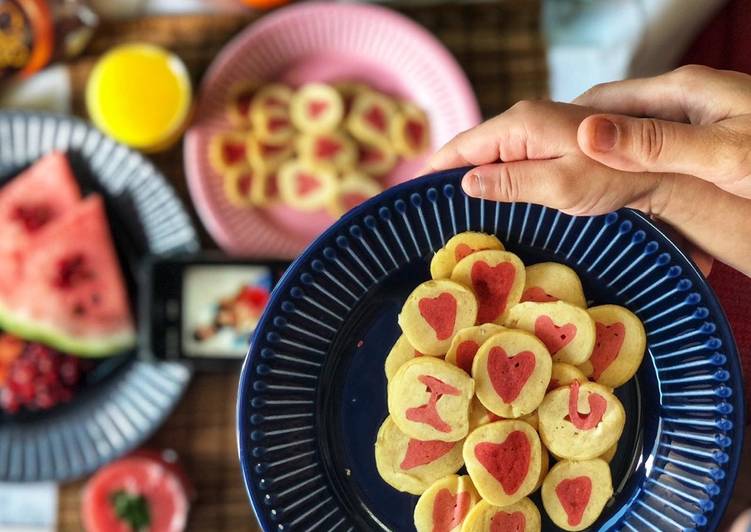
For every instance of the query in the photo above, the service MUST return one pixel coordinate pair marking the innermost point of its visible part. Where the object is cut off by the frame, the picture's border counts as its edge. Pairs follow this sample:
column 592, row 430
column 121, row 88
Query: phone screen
column 221, row 306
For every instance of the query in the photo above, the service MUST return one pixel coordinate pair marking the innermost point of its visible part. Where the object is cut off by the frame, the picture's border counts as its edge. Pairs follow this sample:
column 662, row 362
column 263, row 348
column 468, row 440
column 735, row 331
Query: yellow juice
column 140, row 94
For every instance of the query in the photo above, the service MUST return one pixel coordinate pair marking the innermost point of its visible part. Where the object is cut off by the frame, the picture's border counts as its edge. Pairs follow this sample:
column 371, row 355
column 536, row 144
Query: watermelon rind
column 89, row 347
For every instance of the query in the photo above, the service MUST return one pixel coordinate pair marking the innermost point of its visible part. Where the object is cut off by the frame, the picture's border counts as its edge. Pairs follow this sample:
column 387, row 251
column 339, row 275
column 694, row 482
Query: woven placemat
column 499, row 46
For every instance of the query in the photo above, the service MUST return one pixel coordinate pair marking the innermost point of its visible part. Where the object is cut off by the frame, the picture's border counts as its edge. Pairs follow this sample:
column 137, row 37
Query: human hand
column 742, row 522
column 543, row 163
column 698, row 123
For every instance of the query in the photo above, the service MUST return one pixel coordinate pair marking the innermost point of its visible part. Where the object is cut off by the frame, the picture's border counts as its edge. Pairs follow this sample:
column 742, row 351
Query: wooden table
column 499, row 46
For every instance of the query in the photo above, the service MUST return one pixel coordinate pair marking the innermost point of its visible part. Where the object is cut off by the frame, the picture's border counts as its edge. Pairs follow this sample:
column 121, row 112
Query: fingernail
column 472, row 184
column 605, row 135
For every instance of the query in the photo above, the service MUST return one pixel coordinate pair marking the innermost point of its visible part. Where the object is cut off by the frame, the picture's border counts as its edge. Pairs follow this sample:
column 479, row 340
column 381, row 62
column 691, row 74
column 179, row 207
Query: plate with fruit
column 440, row 362
column 78, row 211
column 312, row 110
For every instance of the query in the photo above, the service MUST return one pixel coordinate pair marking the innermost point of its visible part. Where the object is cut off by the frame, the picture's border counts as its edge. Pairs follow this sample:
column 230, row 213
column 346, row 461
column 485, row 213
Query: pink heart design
column 376, row 117
column 553, row 336
column 538, row 295
column 307, row 183
column 508, row 522
column 597, row 406
column 327, row 148
column 316, row 107
column 509, row 375
column 461, row 251
column 574, row 494
column 420, row 453
column 507, row 462
column 440, row 313
column 449, row 510
column 607, row 346
column 428, row 413
column 415, row 131
column 491, row 285
column 465, row 354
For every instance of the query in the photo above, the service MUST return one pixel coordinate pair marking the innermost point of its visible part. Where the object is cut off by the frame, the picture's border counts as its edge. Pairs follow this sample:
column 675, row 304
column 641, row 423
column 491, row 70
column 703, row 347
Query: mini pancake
column 580, row 421
column 496, row 278
column 228, row 151
column 503, row 459
column 551, row 281
column 458, row 247
column 607, row 455
column 567, row 331
column 479, row 415
column 511, row 372
column 332, row 148
column 243, row 186
column 412, row 465
column 522, row 516
column 574, row 493
column 564, row 374
column 348, row 90
column 239, row 99
column 445, row 505
column 268, row 156
column 610, row 453
column 434, row 312
column 271, row 124
column 400, row 353
column 467, row 341
column 429, row 399
column 409, row 130
column 354, row 188
column 316, row 108
column 305, row 187
column 272, row 97
column 370, row 117
column 375, row 159
column 619, row 346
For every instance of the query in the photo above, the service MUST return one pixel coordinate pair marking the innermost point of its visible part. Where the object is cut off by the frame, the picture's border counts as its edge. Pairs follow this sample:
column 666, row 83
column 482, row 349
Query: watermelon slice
column 30, row 202
column 135, row 493
column 70, row 292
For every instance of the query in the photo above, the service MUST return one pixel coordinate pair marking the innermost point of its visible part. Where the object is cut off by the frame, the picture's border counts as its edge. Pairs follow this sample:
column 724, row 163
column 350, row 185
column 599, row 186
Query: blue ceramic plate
column 313, row 393
column 123, row 400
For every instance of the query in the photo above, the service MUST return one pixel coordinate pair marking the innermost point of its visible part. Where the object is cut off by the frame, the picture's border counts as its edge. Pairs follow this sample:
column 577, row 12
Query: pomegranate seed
column 41, row 378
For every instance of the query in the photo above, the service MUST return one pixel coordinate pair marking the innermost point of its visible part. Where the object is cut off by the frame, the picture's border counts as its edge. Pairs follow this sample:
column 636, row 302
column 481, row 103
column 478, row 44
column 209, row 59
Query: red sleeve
column 725, row 44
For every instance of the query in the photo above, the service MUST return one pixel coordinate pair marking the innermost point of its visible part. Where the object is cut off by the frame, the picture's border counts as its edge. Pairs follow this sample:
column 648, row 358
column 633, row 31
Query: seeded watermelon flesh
column 30, row 202
column 70, row 293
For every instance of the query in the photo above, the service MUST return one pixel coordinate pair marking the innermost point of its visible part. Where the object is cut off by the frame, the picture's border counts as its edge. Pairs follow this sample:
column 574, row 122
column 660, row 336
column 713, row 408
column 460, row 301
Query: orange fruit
column 265, row 4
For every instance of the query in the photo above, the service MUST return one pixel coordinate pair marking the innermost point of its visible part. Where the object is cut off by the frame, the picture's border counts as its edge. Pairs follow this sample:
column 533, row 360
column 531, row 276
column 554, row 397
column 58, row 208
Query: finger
column 529, row 130
column 713, row 153
column 692, row 93
column 566, row 183
column 656, row 97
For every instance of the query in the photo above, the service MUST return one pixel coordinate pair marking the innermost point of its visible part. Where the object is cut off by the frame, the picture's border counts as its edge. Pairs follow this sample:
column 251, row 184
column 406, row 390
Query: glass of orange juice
column 140, row 94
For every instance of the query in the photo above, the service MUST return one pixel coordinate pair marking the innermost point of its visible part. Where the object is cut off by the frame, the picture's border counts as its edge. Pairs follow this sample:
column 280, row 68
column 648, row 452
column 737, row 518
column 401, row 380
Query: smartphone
column 203, row 308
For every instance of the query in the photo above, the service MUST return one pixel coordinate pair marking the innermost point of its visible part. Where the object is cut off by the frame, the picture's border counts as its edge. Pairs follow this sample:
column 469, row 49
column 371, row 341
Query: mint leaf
column 132, row 508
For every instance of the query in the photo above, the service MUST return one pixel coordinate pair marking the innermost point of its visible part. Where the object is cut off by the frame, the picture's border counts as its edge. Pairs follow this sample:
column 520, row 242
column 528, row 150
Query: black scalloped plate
column 123, row 400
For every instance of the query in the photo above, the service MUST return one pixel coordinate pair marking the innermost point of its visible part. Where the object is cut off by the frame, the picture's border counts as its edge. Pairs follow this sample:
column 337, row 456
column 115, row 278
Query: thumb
column 651, row 145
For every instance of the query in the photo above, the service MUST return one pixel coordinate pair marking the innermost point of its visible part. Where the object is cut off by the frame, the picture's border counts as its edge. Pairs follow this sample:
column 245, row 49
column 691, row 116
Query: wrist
column 674, row 199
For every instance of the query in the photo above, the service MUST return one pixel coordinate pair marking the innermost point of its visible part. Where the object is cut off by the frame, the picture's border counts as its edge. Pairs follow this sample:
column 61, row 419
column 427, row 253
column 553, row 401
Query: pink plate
column 319, row 42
